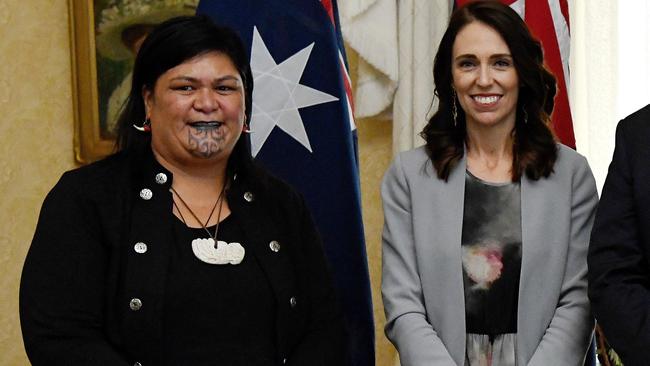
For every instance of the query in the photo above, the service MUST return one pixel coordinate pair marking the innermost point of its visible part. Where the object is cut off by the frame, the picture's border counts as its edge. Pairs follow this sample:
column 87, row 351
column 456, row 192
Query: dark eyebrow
column 227, row 78
column 184, row 78
column 194, row 80
column 501, row 55
column 473, row 57
column 465, row 56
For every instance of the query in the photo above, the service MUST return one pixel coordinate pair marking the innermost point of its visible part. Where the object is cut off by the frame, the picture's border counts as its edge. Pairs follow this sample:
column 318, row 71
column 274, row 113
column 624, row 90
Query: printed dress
column 491, row 256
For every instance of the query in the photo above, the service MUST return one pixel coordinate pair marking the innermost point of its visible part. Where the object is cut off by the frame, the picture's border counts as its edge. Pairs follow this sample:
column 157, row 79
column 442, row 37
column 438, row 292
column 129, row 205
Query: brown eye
column 466, row 64
column 226, row 88
column 183, row 88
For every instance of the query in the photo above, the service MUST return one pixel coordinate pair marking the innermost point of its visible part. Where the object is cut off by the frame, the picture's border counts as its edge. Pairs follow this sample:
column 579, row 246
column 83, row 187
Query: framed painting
column 105, row 36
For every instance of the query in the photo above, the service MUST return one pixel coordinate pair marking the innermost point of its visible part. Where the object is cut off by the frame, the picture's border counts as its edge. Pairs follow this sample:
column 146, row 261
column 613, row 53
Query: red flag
column 347, row 81
column 548, row 21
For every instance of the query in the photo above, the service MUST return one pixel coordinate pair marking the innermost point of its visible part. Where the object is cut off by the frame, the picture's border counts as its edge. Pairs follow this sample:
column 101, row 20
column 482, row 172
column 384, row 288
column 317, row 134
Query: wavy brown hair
column 534, row 149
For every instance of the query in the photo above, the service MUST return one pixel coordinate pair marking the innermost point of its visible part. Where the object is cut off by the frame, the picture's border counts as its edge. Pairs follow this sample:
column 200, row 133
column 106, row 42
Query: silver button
column 135, row 304
column 275, row 246
column 249, row 197
column 284, row 361
column 146, row 194
column 161, row 178
column 140, row 248
column 234, row 177
column 293, row 302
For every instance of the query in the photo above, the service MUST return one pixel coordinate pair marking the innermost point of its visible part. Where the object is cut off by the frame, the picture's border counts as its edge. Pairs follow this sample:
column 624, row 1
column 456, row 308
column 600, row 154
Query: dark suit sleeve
column 325, row 341
column 618, row 269
column 62, row 285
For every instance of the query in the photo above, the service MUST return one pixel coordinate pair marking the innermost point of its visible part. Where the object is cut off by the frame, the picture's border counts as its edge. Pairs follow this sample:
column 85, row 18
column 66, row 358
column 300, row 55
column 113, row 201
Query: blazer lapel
column 146, row 256
column 274, row 258
column 537, row 238
column 439, row 221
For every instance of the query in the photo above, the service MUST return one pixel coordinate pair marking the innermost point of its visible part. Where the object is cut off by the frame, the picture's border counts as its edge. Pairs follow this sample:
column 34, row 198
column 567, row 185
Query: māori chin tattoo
column 206, row 141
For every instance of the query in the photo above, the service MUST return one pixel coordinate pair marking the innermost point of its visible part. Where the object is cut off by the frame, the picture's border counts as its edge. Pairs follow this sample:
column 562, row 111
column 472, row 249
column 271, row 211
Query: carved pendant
column 222, row 253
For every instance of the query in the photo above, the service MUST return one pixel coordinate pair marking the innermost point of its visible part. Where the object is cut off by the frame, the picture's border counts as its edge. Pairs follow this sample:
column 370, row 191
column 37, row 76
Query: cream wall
column 375, row 154
column 35, row 138
column 36, row 127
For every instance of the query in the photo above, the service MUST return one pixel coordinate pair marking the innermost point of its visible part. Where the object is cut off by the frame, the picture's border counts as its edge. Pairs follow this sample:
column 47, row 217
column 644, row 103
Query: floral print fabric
column 482, row 351
column 491, row 258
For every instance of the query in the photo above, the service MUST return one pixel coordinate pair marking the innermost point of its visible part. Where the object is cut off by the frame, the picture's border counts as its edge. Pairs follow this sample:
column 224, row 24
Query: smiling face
column 196, row 110
column 484, row 76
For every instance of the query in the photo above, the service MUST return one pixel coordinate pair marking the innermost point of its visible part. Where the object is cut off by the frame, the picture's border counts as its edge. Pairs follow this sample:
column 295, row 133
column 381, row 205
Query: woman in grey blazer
column 487, row 226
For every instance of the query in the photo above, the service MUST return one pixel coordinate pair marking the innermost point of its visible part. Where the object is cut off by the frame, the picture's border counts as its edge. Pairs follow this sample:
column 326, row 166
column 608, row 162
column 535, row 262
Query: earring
column 246, row 127
column 525, row 116
column 454, row 109
column 146, row 126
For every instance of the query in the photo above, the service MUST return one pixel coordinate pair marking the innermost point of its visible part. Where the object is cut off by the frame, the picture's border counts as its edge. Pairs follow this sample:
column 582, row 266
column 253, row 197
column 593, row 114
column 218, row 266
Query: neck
column 200, row 187
column 196, row 180
column 488, row 147
column 489, row 152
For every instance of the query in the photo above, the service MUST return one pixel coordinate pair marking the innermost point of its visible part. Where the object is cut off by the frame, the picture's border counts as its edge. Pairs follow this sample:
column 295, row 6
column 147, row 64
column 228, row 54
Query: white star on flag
column 278, row 94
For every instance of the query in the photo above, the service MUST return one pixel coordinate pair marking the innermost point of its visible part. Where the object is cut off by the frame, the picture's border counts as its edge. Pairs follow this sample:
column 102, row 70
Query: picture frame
column 89, row 145
column 104, row 38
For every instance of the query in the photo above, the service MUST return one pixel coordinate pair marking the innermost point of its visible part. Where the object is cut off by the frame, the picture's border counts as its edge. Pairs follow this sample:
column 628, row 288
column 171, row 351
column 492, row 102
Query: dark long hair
column 168, row 45
column 534, row 148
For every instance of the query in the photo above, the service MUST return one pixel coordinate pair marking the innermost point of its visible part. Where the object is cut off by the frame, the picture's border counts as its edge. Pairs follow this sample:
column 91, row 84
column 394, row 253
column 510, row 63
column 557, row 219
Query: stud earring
column 146, row 126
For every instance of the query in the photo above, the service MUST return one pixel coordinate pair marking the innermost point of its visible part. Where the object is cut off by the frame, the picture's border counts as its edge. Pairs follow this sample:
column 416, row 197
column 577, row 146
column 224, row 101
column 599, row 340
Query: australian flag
column 303, row 131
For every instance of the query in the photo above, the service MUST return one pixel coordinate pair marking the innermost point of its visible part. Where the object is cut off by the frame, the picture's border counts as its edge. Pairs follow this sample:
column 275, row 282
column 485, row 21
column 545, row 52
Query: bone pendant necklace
column 210, row 250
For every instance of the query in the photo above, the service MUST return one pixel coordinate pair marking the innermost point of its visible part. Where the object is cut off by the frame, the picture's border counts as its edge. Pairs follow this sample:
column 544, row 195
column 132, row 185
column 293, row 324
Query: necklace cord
column 179, row 210
column 218, row 202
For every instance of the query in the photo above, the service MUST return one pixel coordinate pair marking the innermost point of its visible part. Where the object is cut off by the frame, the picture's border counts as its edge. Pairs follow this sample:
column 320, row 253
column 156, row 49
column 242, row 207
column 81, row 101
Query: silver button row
column 146, row 193
column 161, row 178
column 142, row 248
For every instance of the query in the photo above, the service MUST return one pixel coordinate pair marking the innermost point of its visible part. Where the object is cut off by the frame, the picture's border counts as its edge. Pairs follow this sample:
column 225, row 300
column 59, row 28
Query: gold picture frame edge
column 88, row 143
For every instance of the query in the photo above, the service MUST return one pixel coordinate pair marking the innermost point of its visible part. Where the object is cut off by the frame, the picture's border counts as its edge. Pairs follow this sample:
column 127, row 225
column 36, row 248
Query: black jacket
column 619, row 252
column 82, row 271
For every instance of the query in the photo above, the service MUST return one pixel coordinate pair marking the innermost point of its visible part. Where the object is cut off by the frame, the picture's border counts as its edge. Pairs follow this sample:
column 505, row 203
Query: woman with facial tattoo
column 178, row 249
column 487, row 225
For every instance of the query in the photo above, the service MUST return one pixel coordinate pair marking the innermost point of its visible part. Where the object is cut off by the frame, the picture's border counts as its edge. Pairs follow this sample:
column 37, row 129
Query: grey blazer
column 422, row 281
